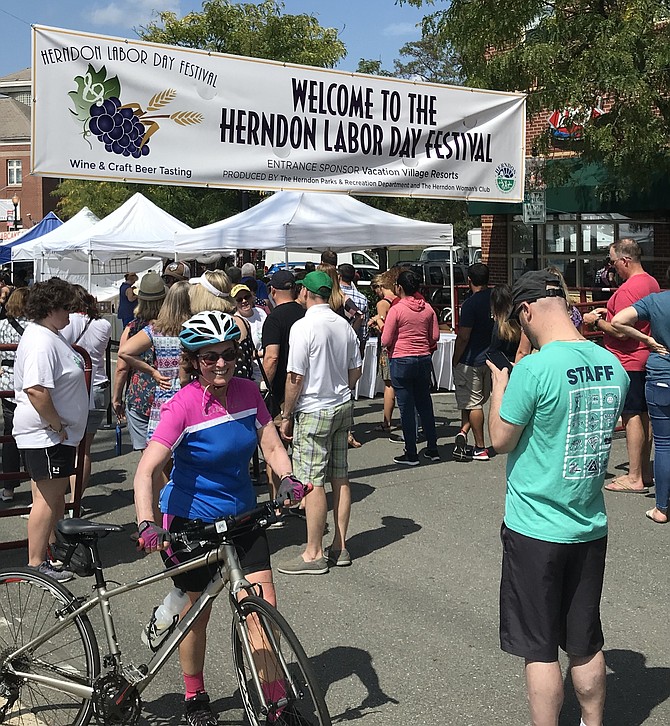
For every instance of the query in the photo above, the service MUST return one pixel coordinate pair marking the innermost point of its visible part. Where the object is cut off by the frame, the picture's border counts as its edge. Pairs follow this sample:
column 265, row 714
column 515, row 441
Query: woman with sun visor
column 211, row 428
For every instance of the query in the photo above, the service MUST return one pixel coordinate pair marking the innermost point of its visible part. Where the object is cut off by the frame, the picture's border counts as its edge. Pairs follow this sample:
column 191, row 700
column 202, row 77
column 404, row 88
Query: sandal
column 353, row 443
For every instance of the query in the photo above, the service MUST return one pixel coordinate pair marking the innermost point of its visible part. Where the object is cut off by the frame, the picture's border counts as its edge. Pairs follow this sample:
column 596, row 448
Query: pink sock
column 274, row 692
column 194, row 684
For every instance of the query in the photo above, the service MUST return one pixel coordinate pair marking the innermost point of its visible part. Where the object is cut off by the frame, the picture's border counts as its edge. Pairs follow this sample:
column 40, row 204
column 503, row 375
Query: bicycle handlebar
column 261, row 516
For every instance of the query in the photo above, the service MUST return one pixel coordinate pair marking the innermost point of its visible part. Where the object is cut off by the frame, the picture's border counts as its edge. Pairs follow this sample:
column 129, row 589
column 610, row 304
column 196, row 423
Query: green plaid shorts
column 320, row 444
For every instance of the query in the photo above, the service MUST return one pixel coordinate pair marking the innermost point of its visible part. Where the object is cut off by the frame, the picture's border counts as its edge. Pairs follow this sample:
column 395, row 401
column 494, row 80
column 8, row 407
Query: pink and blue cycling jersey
column 211, row 448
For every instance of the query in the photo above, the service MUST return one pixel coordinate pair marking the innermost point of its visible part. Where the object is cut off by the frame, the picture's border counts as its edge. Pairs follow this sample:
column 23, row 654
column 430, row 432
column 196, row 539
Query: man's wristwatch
column 284, row 417
column 594, row 324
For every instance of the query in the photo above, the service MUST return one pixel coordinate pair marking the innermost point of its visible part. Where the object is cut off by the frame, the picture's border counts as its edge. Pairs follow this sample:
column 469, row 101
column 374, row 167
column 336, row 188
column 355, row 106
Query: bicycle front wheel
column 29, row 602
column 269, row 657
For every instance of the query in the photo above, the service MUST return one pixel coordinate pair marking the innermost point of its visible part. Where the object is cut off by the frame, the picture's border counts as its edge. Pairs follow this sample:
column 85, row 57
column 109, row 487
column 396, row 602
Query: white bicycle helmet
column 208, row 328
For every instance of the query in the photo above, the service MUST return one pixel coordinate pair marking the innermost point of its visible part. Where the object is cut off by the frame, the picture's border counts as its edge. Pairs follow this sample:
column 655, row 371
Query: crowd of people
column 213, row 368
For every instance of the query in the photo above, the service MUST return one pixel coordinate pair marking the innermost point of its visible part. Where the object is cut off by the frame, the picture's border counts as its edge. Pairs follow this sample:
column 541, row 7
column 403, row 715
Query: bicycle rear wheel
column 28, row 605
column 277, row 656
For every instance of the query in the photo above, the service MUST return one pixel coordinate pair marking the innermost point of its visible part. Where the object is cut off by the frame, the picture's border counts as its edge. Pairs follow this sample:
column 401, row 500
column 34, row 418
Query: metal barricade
column 75, row 506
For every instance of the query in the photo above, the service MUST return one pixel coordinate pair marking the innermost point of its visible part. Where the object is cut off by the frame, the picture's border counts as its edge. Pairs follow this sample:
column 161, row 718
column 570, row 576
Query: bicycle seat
column 85, row 527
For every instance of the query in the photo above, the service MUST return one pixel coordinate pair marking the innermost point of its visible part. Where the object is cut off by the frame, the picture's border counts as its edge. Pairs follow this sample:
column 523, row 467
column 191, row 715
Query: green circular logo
column 505, row 177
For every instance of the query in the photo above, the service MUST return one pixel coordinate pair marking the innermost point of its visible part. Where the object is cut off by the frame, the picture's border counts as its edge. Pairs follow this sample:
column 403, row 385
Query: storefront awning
column 580, row 195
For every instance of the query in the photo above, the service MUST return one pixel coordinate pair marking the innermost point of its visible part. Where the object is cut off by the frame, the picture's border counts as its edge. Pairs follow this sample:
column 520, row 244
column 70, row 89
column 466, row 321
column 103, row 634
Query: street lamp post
column 15, row 202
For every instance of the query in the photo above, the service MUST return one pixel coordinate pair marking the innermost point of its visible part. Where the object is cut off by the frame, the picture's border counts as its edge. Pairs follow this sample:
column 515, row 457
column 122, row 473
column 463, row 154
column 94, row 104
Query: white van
column 356, row 258
column 365, row 265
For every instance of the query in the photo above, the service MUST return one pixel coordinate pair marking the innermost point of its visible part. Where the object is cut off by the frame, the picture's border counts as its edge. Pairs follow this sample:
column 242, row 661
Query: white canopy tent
column 313, row 220
column 117, row 243
column 32, row 250
column 138, row 228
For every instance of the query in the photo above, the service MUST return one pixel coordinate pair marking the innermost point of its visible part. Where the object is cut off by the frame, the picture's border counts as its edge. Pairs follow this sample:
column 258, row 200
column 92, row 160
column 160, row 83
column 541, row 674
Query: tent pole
column 90, row 265
column 452, row 290
column 286, row 256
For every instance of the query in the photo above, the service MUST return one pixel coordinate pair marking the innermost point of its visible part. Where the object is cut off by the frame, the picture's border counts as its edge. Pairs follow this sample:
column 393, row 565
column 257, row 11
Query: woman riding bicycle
column 211, row 428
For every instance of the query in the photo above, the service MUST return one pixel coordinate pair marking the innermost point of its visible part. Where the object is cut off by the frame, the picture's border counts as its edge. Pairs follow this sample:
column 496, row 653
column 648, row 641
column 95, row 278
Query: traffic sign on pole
column 534, row 208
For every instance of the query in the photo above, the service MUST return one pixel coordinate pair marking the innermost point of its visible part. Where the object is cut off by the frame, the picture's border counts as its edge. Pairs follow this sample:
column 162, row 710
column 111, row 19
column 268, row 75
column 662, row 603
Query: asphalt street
column 408, row 633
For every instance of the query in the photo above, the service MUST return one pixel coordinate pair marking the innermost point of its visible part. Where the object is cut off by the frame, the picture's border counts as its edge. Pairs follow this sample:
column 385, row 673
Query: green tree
column 260, row 30
column 576, row 53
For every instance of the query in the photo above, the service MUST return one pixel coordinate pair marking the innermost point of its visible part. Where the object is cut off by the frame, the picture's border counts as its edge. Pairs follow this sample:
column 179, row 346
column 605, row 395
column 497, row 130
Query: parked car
column 440, row 253
column 364, row 273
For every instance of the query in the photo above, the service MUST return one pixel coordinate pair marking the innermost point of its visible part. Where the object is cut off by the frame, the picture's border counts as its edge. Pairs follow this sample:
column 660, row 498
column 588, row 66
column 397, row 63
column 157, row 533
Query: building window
column 575, row 244
column 23, row 97
column 14, row 172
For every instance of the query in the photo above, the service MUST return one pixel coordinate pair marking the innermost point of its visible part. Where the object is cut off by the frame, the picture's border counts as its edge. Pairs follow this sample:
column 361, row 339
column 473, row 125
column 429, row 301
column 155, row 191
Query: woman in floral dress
column 162, row 337
column 136, row 404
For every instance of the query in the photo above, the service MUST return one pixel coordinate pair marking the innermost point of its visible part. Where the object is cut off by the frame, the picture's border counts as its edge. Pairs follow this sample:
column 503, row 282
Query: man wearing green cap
column 323, row 367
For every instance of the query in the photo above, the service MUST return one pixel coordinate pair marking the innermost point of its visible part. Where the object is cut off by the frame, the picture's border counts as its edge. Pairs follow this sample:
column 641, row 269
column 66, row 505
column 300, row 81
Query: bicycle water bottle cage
column 153, row 636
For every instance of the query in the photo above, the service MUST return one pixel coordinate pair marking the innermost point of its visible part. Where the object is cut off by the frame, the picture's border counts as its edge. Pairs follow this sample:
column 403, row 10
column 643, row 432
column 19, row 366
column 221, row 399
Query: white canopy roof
column 311, row 220
column 83, row 220
column 138, row 228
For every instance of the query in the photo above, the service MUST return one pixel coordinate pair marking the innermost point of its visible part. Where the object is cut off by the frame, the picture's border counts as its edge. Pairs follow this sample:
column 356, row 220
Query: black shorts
column 252, row 549
column 550, row 597
column 52, row 462
column 636, row 400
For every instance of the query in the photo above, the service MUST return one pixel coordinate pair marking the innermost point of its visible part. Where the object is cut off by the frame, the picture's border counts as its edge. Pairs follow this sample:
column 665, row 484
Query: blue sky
column 373, row 29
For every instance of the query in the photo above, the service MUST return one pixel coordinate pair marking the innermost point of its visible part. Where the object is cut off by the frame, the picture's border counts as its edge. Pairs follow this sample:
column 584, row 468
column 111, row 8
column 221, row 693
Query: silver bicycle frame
column 225, row 553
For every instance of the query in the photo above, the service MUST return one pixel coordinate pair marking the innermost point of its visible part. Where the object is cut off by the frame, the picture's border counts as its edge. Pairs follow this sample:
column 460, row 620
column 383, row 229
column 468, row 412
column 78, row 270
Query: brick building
column 33, row 192
column 580, row 225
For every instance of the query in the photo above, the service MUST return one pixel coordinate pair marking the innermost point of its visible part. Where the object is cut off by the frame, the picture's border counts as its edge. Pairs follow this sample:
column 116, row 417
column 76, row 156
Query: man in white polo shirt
column 323, row 366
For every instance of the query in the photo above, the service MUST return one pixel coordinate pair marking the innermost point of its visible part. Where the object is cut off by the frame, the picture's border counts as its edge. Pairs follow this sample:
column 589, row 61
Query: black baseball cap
column 534, row 286
column 282, row 280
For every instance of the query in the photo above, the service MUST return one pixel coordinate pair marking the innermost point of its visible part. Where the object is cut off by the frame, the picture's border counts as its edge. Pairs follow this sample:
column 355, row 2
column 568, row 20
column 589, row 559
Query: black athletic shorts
column 550, row 597
column 636, row 399
column 252, row 549
column 51, row 462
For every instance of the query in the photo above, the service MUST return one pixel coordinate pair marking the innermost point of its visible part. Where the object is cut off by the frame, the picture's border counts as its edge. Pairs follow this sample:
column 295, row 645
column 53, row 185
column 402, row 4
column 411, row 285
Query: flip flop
column 649, row 514
column 624, row 488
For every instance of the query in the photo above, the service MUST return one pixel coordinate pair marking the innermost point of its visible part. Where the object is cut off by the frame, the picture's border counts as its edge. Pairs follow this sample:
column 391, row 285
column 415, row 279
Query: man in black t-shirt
column 472, row 378
column 276, row 329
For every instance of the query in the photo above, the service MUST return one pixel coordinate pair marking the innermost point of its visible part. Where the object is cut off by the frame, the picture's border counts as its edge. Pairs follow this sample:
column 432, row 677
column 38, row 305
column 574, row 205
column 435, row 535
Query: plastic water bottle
column 165, row 617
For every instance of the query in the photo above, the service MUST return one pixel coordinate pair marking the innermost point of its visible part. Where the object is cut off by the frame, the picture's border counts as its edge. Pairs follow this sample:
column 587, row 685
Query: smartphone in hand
column 500, row 360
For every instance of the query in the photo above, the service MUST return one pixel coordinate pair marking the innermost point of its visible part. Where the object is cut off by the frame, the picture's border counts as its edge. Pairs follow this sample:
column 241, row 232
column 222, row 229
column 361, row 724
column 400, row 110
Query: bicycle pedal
column 134, row 674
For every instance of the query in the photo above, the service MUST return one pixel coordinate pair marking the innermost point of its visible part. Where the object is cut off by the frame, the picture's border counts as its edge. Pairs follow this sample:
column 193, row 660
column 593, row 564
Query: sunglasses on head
column 243, row 299
column 228, row 355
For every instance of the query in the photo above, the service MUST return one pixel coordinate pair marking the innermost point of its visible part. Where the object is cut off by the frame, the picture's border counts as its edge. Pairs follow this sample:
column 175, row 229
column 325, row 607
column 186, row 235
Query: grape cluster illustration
column 124, row 129
column 118, row 128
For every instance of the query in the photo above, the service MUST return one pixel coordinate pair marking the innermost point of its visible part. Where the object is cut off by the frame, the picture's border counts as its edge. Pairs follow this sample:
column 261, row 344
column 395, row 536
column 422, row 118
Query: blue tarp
column 48, row 224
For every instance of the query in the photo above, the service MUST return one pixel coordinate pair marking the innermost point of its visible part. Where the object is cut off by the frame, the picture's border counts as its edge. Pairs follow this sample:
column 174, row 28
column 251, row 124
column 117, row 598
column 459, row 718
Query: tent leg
column 452, row 290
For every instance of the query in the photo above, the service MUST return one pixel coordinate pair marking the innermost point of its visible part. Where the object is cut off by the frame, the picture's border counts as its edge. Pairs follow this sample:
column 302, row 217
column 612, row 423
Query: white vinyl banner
column 127, row 110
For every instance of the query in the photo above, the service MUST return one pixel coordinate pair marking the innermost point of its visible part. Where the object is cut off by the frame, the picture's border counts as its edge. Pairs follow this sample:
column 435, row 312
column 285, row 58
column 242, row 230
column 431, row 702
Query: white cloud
column 129, row 13
column 401, row 29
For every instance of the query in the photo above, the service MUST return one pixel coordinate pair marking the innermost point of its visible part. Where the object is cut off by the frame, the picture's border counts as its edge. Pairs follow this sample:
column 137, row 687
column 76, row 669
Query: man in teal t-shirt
column 555, row 416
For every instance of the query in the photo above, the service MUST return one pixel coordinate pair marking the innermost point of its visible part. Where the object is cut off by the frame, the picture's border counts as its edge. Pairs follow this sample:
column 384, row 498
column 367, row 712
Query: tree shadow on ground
column 633, row 690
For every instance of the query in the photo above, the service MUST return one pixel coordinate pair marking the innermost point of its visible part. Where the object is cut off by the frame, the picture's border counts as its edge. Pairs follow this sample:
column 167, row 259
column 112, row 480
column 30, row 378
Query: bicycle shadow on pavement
column 168, row 710
column 633, row 690
column 331, row 666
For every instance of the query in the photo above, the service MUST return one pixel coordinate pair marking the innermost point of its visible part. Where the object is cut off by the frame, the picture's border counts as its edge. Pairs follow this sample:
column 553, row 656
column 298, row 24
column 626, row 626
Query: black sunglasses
column 242, row 299
column 210, row 358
